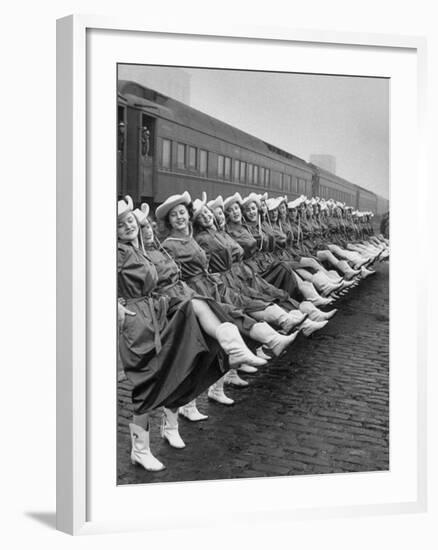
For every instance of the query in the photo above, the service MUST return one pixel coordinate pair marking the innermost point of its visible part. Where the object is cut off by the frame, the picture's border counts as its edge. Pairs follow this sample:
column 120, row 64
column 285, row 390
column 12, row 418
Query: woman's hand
column 122, row 312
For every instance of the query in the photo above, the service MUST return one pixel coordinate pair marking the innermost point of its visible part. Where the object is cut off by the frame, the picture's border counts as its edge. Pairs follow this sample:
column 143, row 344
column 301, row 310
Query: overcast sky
column 347, row 117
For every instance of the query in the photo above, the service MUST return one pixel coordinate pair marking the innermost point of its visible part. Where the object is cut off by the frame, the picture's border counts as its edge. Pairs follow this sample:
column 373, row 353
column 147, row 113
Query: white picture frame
column 77, row 210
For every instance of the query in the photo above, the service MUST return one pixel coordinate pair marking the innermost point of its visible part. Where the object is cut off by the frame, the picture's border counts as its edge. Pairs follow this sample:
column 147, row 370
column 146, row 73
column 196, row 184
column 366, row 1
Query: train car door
column 146, row 154
column 357, row 205
column 316, row 192
column 121, row 150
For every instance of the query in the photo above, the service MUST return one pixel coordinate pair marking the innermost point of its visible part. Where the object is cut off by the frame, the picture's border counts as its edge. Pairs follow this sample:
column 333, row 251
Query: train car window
column 220, row 166
column 242, row 171
column 193, row 164
column 181, row 156
column 227, row 168
column 203, row 162
column 236, row 170
column 294, row 184
column 256, row 174
column 146, row 136
column 166, row 150
column 250, row 173
column 262, row 176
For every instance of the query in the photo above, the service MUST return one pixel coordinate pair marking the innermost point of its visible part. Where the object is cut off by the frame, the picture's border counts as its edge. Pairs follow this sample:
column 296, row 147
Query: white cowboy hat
column 142, row 213
column 297, row 202
column 217, row 202
column 171, row 202
column 125, row 205
column 252, row 197
column 273, row 203
column 232, row 199
column 198, row 205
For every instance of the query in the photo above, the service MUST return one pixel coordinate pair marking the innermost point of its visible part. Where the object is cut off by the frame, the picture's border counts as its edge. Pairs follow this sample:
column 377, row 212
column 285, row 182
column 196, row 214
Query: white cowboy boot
column 231, row 342
column 324, row 284
column 311, row 295
column 347, row 284
column 216, row 393
column 190, row 411
column 140, row 452
column 247, row 369
column 275, row 314
column 320, row 301
column 315, row 314
column 276, row 342
column 364, row 272
column 262, row 353
column 309, row 327
column 347, row 270
column 334, row 276
column 297, row 315
column 234, row 379
column 169, row 429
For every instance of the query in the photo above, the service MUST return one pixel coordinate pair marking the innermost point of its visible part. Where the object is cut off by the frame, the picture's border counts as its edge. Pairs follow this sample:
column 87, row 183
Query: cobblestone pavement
column 321, row 408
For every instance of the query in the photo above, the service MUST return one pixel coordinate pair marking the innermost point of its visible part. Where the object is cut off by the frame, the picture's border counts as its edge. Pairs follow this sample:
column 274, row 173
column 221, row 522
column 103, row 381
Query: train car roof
column 367, row 191
column 121, row 98
column 166, row 107
column 332, row 176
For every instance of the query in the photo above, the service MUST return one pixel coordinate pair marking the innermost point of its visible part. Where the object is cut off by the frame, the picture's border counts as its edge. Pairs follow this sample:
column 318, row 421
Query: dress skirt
column 277, row 273
column 223, row 301
column 188, row 360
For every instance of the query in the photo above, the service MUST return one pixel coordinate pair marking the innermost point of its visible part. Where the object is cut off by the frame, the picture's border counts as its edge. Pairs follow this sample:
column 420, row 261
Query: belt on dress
column 150, row 302
column 202, row 275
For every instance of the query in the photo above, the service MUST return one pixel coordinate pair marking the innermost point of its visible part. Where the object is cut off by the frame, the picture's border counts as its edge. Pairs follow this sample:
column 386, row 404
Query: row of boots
column 307, row 319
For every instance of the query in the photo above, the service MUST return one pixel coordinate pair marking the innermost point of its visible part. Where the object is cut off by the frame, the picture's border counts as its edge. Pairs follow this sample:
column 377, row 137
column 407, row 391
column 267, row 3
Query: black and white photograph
column 252, row 274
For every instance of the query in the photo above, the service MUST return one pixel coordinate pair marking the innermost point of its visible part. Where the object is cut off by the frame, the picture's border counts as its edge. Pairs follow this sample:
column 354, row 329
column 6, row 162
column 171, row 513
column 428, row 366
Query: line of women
column 228, row 286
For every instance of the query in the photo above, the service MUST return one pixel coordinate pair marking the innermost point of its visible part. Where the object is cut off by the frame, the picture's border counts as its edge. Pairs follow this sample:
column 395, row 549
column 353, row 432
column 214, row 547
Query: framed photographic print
column 232, row 325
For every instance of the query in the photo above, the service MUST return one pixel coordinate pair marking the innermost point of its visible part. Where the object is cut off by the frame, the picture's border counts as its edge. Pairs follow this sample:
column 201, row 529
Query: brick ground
column 322, row 408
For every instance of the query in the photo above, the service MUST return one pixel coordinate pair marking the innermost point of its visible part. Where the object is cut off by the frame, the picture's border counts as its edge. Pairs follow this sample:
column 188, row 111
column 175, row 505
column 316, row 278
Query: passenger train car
column 166, row 147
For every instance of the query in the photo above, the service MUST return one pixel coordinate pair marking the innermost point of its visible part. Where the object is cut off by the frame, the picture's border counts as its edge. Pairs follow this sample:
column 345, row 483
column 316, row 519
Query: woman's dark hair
column 189, row 210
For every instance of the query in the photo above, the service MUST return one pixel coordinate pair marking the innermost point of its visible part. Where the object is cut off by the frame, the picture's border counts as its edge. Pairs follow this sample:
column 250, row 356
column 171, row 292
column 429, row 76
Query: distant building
column 327, row 162
column 172, row 82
